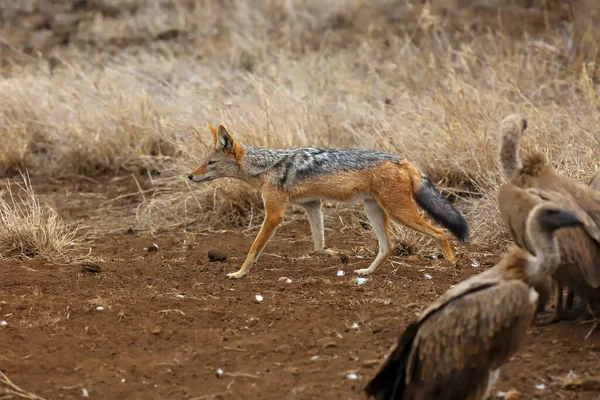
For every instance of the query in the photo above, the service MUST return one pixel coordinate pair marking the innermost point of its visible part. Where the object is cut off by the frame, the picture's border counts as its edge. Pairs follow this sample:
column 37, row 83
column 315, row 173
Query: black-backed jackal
column 387, row 184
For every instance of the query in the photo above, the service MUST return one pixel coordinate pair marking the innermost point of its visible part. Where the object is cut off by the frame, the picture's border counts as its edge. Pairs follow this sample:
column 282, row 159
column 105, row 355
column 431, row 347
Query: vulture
column 580, row 266
column 455, row 348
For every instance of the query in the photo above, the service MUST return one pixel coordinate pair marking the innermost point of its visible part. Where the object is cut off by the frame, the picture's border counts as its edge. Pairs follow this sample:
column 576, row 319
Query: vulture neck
column 509, row 153
column 547, row 253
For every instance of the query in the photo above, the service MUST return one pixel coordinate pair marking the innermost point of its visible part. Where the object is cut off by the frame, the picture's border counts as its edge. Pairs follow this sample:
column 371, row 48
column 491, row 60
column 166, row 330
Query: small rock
column 179, row 296
column 219, row 373
column 361, row 281
column 427, row 276
column 85, row 393
column 475, row 264
column 285, row 349
column 512, row 395
column 354, row 326
column 258, row 298
column 156, row 330
column 99, row 308
column 92, row 268
column 293, row 370
column 340, row 273
column 314, row 358
column 216, row 255
column 540, row 386
column 3, row 323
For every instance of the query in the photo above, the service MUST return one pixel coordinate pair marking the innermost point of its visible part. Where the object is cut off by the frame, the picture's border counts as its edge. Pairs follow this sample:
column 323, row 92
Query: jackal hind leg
column 380, row 223
column 275, row 205
column 400, row 207
column 315, row 219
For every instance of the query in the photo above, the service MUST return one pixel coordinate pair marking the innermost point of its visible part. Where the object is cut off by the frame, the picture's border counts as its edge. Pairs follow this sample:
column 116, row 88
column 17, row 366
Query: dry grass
column 10, row 390
column 28, row 228
column 428, row 82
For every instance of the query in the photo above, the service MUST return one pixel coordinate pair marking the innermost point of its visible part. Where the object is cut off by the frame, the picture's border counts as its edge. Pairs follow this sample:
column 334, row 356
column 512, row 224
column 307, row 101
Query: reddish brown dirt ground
column 171, row 319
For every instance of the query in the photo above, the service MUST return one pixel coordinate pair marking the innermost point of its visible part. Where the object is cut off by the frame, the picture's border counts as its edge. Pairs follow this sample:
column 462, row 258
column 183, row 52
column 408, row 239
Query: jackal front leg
column 315, row 219
column 275, row 205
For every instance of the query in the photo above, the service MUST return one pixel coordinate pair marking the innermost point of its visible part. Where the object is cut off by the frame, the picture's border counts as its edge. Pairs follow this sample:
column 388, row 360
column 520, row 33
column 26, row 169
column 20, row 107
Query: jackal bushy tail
column 440, row 209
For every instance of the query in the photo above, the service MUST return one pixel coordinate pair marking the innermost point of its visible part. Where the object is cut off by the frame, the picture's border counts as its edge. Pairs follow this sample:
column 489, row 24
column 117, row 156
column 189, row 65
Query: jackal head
column 223, row 158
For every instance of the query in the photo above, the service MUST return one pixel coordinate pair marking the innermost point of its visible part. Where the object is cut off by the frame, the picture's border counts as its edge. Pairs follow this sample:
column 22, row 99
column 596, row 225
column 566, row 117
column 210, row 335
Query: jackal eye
column 211, row 162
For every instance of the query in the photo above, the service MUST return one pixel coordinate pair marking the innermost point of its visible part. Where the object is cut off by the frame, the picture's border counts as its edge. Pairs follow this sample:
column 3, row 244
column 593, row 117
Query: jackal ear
column 213, row 132
column 225, row 141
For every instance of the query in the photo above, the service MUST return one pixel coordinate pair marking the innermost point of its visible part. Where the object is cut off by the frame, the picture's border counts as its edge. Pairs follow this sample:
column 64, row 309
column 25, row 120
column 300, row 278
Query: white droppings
column 340, row 273
column 258, row 298
column 288, row 280
column 427, row 276
column 3, row 323
column 85, row 393
column 540, row 386
column 219, row 372
column 155, row 246
column 99, row 308
column 351, row 376
column 71, row 243
column 354, row 326
column 313, row 358
column 475, row 264
column 179, row 296
column 361, row 281
column 359, row 256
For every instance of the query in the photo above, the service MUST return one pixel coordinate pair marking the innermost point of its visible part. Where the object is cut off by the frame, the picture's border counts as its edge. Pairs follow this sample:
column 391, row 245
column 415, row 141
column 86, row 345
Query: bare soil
column 171, row 318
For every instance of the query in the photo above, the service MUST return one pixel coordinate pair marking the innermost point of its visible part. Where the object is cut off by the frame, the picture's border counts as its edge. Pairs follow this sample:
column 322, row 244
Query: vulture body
column 455, row 349
column 580, row 267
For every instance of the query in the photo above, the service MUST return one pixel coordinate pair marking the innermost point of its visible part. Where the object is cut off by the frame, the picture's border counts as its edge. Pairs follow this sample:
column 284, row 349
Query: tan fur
column 513, row 265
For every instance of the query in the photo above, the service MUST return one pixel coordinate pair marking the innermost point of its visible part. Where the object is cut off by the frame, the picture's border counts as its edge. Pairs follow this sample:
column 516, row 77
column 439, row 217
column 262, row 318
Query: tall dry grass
column 430, row 82
column 29, row 229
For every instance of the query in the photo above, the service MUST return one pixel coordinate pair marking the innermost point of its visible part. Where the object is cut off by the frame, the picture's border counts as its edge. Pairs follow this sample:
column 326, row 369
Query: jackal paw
column 364, row 271
column 236, row 275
